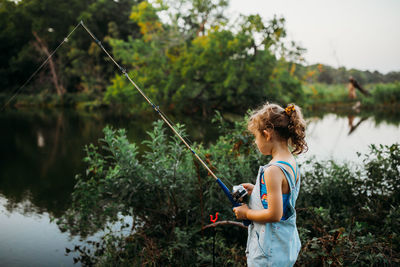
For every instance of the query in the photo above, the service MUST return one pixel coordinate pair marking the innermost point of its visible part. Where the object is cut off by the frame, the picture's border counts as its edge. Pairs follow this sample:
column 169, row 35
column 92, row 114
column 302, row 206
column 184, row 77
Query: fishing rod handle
column 229, row 195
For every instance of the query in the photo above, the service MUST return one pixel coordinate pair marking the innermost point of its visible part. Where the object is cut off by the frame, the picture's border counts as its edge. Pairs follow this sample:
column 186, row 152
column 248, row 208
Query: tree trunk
column 41, row 46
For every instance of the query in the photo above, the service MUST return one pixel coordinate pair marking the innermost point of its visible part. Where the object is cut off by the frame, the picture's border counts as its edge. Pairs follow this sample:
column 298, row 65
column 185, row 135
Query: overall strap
column 298, row 178
column 290, row 165
column 285, row 172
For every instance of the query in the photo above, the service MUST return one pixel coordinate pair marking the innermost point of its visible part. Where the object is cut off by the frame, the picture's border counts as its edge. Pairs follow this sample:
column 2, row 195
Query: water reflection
column 41, row 152
column 390, row 117
column 29, row 238
column 352, row 124
column 341, row 137
column 39, row 157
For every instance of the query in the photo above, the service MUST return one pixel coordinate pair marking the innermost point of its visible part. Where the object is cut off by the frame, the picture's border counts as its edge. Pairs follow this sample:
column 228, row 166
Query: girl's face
column 263, row 142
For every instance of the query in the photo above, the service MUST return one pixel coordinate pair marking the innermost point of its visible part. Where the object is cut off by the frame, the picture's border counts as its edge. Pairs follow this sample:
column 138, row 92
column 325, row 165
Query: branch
column 224, row 223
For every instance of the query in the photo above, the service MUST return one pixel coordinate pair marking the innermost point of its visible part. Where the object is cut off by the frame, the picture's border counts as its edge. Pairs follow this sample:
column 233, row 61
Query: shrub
column 166, row 193
column 347, row 215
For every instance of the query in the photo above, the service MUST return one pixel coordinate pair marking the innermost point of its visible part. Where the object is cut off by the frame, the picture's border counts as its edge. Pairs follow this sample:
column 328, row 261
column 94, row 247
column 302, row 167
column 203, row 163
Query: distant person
column 352, row 89
column 353, row 85
column 273, row 239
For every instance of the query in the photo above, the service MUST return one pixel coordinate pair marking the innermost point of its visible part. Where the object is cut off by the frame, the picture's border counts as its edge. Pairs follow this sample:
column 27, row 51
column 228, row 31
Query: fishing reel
column 239, row 194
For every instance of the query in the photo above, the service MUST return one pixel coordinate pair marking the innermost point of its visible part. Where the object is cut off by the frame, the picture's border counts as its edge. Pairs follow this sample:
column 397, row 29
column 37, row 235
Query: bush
column 167, row 193
column 347, row 215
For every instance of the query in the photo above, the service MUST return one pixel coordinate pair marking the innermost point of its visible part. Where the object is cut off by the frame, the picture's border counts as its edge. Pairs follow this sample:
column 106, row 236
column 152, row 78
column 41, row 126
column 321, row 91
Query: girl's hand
column 248, row 187
column 241, row 212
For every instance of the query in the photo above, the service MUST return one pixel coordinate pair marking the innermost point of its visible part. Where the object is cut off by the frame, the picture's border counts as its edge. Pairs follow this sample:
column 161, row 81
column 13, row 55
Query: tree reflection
column 42, row 151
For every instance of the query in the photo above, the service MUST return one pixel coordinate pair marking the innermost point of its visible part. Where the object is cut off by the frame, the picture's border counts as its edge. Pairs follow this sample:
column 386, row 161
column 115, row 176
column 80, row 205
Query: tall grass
column 319, row 93
column 382, row 96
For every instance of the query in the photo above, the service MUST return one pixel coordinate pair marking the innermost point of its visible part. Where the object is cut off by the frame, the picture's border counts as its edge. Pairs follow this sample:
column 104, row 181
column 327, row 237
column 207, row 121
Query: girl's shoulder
column 273, row 173
column 289, row 164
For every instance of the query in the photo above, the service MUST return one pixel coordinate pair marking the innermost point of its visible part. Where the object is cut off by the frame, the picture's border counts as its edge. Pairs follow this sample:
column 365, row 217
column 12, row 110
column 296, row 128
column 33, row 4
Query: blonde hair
column 287, row 123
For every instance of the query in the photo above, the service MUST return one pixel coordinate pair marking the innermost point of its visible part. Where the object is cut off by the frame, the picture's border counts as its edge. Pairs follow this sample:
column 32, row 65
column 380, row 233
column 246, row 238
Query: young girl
column 273, row 239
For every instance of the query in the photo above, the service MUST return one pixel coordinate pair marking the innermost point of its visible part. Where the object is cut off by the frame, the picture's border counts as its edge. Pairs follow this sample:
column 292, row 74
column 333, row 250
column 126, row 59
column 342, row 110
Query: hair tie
column 289, row 109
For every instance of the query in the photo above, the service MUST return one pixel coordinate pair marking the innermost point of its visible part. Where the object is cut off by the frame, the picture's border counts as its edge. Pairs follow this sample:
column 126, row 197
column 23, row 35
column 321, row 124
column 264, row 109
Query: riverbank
column 79, row 101
column 335, row 97
column 316, row 98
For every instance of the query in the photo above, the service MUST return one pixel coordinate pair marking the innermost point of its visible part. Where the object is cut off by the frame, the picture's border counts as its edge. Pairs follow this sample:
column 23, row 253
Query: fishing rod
column 238, row 193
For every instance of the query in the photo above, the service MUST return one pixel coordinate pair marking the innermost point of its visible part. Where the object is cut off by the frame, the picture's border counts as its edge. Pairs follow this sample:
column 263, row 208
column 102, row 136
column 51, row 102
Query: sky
column 360, row 34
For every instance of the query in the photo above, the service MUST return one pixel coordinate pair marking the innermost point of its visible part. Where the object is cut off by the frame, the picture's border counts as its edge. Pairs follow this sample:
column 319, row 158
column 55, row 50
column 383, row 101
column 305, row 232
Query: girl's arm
column 273, row 178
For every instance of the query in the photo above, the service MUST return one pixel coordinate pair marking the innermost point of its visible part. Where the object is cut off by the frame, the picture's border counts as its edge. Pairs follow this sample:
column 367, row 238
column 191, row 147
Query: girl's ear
column 267, row 135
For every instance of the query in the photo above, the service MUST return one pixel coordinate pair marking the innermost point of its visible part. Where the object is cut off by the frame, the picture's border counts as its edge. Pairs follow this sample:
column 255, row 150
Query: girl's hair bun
column 287, row 122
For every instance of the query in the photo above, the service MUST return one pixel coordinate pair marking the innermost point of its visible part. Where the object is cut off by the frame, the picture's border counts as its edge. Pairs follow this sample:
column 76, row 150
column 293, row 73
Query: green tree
column 14, row 35
column 31, row 28
column 202, row 65
column 89, row 68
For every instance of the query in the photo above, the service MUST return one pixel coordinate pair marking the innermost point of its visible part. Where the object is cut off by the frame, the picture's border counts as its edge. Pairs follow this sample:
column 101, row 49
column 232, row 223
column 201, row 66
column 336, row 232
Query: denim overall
column 277, row 243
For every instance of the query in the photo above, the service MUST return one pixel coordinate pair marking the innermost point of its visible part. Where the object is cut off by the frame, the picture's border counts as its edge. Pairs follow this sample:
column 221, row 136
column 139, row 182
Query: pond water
column 42, row 150
column 340, row 138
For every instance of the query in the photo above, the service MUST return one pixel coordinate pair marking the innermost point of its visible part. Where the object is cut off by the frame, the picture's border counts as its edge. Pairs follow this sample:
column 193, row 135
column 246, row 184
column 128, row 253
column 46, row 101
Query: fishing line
column 156, row 108
column 238, row 193
column 165, row 118
column 123, row 70
column 16, row 92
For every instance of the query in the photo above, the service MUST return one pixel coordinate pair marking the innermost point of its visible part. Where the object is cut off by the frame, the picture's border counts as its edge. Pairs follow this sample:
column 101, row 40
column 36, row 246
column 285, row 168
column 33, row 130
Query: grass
column 335, row 96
